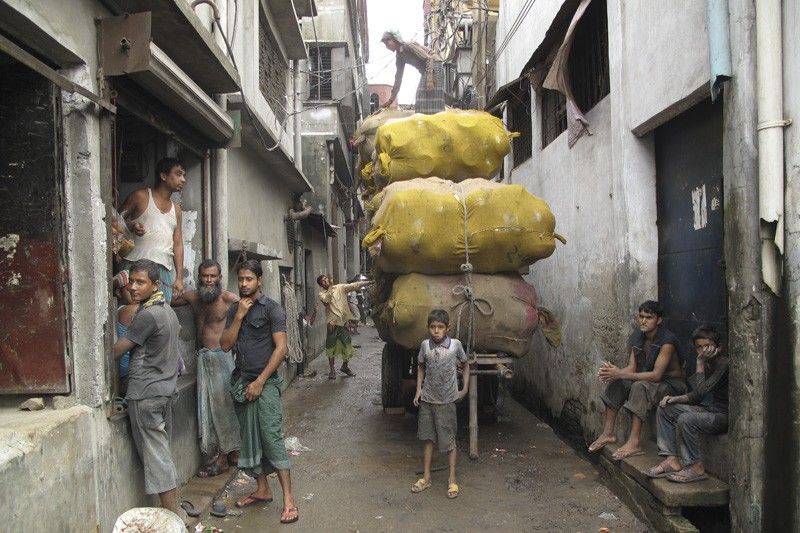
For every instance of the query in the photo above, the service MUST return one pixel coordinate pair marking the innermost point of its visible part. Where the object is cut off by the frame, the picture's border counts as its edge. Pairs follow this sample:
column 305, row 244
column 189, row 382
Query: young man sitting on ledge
column 683, row 460
column 654, row 370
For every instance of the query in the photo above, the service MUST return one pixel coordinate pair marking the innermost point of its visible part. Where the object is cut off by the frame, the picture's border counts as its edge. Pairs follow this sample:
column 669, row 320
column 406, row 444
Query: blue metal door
column 691, row 269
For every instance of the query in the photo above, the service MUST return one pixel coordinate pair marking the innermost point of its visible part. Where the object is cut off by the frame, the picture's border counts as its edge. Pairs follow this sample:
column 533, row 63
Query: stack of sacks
column 431, row 205
column 418, row 249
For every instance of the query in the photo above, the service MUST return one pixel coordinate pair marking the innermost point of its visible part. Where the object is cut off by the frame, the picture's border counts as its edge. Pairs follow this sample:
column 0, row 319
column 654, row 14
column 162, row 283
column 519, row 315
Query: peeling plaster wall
column 602, row 192
column 791, row 298
column 72, row 443
column 258, row 201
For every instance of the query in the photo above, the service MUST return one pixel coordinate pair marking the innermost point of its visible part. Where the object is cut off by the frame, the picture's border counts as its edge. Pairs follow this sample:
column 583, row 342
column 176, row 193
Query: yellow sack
column 364, row 136
column 505, row 314
column 418, row 226
column 453, row 145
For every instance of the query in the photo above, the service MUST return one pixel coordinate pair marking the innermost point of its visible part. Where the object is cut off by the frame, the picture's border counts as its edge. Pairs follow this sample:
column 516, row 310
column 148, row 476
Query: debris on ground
column 293, row 445
column 32, row 404
column 607, row 516
column 308, row 496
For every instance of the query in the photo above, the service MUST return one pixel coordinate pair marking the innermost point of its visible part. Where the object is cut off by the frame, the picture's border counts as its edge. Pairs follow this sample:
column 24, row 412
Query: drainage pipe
column 769, row 92
column 220, row 203
column 206, row 188
column 298, row 106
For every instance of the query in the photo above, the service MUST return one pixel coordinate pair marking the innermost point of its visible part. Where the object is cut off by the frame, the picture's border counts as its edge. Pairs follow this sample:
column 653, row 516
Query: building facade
column 654, row 182
column 104, row 89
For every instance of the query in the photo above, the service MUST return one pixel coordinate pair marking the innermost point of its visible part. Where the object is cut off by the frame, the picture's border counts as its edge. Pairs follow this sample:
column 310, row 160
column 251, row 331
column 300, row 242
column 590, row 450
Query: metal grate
column 588, row 72
column 321, row 75
column 588, row 60
column 520, row 119
column 272, row 70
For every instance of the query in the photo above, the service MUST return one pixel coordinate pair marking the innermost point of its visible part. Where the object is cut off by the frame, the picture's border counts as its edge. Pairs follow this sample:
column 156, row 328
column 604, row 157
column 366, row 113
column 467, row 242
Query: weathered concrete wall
column 791, row 297
column 590, row 300
column 602, row 192
column 45, row 457
column 666, row 55
column 79, row 469
column 258, row 201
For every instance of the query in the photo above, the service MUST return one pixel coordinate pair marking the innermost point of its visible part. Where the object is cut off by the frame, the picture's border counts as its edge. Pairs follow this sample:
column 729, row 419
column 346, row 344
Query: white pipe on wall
column 769, row 92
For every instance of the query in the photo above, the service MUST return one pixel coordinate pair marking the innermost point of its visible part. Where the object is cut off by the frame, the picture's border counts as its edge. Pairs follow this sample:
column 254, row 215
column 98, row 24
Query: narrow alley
column 361, row 464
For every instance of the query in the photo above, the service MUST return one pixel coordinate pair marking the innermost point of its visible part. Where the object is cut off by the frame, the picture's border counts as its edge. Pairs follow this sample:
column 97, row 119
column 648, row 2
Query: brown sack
column 505, row 314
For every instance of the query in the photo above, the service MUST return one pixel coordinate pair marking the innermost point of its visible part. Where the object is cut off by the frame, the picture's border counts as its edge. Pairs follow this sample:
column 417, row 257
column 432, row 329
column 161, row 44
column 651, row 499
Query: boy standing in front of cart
column 437, row 394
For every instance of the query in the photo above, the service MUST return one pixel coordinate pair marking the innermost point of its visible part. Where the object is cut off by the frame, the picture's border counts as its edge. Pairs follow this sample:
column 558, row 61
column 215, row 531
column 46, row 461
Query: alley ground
column 362, row 463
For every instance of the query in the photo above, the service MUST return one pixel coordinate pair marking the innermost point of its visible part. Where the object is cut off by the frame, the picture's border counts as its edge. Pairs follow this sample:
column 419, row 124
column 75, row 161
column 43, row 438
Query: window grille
column 588, row 72
column 321, row 75
column 520, row 121
column 554, row 115
column 272, row 70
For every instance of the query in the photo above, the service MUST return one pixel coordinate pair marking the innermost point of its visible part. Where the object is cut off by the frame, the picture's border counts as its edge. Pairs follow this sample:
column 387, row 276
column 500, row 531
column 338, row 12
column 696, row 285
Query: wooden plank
column 473, row 417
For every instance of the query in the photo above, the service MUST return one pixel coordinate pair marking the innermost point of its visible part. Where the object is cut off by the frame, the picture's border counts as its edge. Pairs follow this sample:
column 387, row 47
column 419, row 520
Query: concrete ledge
column 642, row 503
column 707, row 493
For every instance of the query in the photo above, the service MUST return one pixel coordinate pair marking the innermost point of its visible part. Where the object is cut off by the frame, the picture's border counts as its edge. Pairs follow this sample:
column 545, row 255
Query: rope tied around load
column 470, row 301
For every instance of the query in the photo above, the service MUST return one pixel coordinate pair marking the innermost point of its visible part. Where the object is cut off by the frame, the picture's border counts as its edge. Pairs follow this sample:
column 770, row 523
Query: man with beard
column 256, row 327
column 219, row 428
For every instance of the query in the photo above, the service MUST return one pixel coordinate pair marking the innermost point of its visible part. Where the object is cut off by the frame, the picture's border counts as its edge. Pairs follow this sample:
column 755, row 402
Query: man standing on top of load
column 430, row 91
column 337, row 315
column 155, row 221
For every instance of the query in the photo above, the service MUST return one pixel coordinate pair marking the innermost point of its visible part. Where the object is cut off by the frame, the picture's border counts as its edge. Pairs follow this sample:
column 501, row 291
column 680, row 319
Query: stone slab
column 707, row 493
column 642, row 502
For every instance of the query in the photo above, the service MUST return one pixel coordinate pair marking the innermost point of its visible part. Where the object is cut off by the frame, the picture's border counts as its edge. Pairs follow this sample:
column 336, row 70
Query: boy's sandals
column 420, row 485
column 452, row 490
column 687, row 475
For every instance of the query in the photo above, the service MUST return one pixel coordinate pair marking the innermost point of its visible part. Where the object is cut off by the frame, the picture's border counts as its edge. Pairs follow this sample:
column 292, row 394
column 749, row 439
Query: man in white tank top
column 155, row 221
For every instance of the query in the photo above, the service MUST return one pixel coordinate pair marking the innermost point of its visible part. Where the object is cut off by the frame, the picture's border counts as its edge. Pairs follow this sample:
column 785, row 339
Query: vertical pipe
column 206, row 192
column 769, row 93
column 298, row 106
column 220, row 204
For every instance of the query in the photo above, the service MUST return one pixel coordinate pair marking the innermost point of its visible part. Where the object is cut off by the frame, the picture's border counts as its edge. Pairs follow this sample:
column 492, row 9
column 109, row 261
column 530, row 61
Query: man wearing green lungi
column 256, row 331
column 337, row 314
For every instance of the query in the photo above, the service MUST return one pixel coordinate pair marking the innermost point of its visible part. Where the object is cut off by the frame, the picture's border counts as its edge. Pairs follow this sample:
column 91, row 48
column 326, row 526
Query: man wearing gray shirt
column 152, row 339
column 437, row 394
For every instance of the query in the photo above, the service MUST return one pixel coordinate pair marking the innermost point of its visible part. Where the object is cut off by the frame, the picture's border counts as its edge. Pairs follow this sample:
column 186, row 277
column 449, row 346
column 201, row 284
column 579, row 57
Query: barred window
column 272, row 70
column 321, row 73
column 519, row 105
column 588, row 72
column 554, row 115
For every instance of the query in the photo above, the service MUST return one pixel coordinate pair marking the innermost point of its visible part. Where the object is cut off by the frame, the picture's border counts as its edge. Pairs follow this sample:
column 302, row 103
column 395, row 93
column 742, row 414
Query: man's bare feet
column 601, row 443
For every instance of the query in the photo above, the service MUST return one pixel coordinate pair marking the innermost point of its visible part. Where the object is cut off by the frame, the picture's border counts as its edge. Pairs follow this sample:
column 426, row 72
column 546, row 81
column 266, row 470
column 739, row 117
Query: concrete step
column 707, row 493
